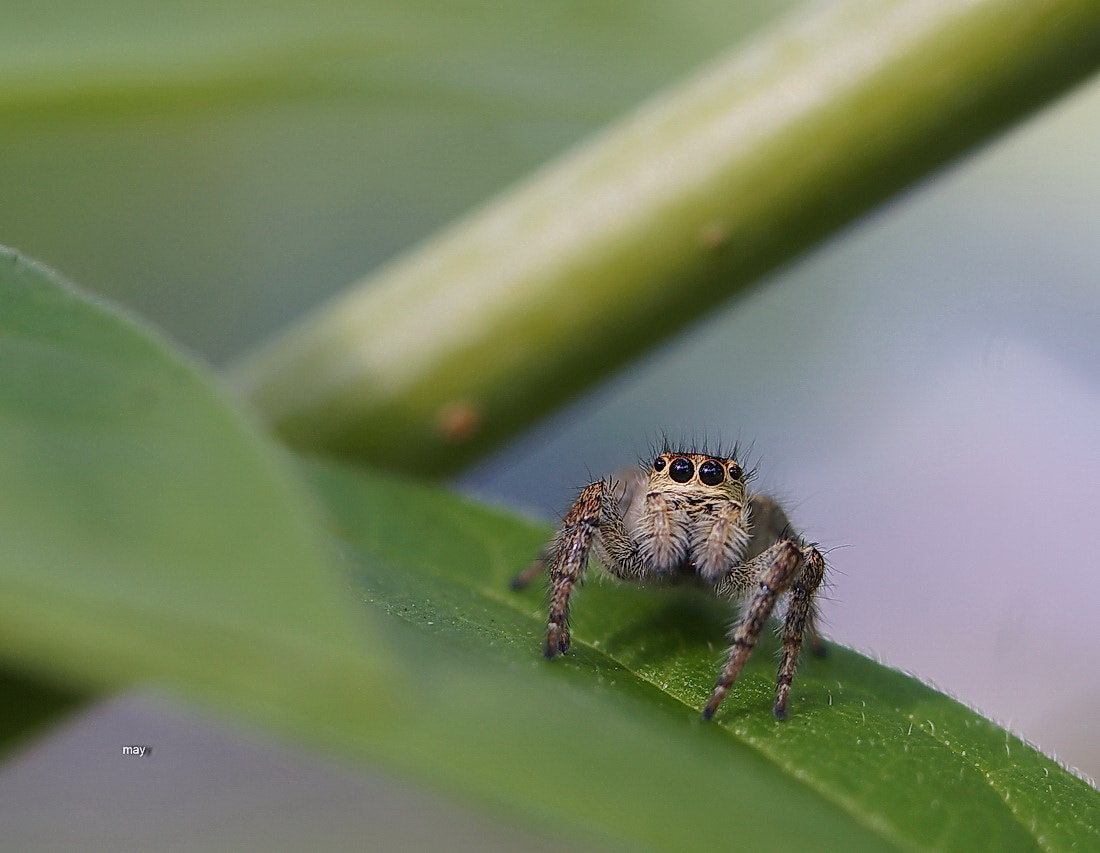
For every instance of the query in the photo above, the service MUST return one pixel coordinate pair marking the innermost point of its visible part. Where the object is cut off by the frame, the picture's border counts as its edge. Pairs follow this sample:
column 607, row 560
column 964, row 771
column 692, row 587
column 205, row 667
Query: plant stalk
column 454, row 347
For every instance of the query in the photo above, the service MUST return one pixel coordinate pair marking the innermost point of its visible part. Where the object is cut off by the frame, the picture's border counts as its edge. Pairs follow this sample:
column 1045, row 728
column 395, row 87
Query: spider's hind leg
column 537, row 567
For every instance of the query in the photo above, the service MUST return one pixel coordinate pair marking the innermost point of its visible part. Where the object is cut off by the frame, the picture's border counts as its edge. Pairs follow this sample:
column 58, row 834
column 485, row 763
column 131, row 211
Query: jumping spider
column 689, row 515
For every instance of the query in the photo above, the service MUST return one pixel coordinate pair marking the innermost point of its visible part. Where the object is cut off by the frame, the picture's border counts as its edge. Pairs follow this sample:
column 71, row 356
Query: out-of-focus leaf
column 222, row 166
column 147, row 531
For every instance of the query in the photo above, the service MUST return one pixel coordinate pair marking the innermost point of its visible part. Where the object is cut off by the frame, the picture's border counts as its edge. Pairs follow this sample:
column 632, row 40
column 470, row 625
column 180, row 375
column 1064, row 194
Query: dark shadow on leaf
column 679, row 620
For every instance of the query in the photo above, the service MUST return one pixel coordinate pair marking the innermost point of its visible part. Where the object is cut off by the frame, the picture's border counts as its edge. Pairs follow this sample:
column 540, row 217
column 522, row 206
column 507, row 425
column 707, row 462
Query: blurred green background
column 925, row 388
column 221, row 167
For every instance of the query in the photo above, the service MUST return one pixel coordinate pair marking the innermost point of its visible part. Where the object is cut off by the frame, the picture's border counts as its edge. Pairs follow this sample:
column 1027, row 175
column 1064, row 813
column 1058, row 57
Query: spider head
column 698, row 474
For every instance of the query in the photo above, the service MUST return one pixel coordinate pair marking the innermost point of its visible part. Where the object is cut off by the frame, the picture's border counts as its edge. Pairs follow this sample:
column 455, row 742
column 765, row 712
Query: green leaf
column 146, row 529
column 149, row 535
column 912, row 765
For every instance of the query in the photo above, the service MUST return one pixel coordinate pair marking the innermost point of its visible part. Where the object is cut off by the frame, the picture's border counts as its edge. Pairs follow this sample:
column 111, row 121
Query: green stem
column 475, row 334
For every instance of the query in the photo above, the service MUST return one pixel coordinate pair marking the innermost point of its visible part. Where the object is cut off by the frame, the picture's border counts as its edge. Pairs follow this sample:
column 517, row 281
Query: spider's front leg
column 596, row 511
column 800, row 618
column 784, row 565
column 619, row 493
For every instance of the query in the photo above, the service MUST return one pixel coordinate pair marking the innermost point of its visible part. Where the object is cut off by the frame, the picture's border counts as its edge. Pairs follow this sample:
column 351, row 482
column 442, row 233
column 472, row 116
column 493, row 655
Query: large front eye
column 711, row 473
column 681, row 470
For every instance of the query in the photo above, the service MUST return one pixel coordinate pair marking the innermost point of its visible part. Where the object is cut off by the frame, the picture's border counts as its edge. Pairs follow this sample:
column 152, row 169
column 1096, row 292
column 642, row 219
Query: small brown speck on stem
column 458, row 421
column 714, row 235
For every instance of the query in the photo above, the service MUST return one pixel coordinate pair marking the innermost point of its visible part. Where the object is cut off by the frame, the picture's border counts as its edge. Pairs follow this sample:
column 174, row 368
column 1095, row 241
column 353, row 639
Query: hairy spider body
column 690, row 514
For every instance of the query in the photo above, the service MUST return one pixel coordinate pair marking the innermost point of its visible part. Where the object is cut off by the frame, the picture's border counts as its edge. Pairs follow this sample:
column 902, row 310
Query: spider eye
column 711, row 473
column 735, row 471
column 659, row 464
column 681, row 470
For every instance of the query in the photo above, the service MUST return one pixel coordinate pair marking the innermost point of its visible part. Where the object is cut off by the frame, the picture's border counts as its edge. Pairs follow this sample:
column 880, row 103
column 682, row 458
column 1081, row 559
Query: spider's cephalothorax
column 690, row 514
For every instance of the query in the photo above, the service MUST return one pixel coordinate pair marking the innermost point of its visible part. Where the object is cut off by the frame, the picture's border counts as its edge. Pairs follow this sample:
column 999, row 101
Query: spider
column 689, row 515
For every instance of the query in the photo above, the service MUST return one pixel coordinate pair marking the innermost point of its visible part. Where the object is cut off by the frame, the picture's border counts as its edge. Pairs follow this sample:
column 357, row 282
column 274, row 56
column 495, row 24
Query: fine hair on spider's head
column 704, row 445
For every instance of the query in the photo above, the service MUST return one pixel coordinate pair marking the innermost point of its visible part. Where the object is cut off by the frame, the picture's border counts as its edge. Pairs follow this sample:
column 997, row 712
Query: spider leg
column 570, row 550
column 621, row 492
column 817, row 645
column 800, row 617
column 776, row 568
column 596, row 511
column 538, row 565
